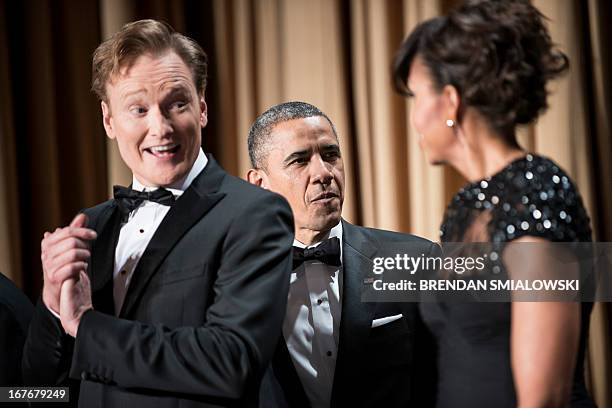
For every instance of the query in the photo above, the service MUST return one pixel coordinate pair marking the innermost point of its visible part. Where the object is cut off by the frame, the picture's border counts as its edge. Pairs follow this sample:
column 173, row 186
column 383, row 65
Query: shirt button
column 319, row 301
column 329, row 353
column 141, row 231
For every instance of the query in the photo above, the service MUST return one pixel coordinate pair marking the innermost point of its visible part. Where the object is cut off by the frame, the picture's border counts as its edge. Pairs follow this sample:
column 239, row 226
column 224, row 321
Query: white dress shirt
column 137, row 232
column 312, row 323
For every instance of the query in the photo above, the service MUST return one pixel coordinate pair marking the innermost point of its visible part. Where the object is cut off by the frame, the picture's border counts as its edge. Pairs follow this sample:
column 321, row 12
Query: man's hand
column 75, row 299
column 64, row 254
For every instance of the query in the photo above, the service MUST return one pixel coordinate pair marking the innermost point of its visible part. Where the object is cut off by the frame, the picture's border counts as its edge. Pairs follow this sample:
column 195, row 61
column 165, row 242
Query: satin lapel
column 356, row 320
column 103, row 259
column 195, row 202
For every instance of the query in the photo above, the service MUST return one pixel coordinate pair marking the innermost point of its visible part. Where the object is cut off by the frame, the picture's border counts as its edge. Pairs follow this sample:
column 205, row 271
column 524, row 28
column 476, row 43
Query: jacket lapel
column 191, row 206
column 102, row 261
column 287, row 377
column 356, row 320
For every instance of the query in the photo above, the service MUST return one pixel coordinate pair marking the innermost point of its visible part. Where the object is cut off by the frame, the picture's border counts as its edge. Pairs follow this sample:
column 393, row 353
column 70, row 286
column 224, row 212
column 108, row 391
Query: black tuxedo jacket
column 392, row 365
column 15, row 315
column 198, row 323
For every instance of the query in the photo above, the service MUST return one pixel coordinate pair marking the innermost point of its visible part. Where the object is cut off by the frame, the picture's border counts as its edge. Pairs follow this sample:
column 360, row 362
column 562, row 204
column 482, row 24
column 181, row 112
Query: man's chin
column 169, row 173
column 165, row 179
column 327, row 220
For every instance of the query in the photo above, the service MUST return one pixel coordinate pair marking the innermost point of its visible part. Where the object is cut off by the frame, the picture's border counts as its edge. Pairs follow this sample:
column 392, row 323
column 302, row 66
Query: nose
column 320, row 171
column 159, row 124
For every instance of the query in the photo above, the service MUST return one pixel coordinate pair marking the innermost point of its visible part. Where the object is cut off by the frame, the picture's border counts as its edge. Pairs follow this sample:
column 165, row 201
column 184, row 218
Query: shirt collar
column 178, row 188
column 335, row 232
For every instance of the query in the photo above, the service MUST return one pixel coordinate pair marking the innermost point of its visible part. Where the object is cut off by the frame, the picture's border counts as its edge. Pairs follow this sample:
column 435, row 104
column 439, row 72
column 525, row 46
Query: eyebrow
column 132, row 93
column 177, row 89
column 174, row 90
column 332, row 147
column 296, row 155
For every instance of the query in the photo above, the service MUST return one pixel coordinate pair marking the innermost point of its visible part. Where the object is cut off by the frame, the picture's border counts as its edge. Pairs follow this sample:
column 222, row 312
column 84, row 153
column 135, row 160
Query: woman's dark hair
column 496, row 53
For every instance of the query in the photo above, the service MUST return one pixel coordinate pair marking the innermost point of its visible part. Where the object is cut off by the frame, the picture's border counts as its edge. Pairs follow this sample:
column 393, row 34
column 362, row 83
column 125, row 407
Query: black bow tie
column 327, row 252
column 129, row 199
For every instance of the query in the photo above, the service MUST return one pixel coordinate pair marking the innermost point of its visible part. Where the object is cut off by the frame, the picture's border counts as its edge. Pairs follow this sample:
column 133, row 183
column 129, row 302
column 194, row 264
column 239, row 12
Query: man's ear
column 107, row 120
column 453, row 102
column 203, row 112
column 257, row 177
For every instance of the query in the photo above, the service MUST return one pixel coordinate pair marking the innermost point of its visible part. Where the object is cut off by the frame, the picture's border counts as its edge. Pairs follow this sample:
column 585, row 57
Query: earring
column 450, row 123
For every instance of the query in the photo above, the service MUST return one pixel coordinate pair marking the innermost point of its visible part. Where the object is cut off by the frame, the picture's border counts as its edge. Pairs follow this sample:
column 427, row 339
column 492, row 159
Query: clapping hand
column 64, row 255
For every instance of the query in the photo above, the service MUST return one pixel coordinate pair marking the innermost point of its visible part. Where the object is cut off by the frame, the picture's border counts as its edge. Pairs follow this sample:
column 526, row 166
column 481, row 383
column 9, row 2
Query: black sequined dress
column 531, row 196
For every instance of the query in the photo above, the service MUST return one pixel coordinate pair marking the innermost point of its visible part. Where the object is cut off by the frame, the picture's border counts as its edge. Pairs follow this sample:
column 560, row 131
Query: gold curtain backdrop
column 335, row 54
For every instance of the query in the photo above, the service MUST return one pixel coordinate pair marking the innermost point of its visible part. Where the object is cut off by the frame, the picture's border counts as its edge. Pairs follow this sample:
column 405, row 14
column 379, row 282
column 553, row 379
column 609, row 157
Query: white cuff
column 52, row 311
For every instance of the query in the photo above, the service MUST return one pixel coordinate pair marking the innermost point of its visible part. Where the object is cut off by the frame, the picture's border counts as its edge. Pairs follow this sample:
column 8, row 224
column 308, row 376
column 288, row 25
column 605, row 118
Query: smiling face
column 303, row 164
column 429, row 113
column 155, row 114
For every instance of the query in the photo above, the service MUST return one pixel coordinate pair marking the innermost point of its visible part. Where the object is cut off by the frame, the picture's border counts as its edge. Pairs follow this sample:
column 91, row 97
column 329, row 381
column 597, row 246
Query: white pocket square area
column 385, row 320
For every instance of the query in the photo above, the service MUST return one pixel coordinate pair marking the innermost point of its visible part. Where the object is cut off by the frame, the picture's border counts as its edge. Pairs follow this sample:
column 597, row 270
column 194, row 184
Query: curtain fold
column 51, row 146
column 596, row 17
column 10, row 235
column 380, row 115
column 427, row 187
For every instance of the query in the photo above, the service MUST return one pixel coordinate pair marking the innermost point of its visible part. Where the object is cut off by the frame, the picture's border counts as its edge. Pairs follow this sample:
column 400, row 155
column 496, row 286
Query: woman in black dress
column 475, row 75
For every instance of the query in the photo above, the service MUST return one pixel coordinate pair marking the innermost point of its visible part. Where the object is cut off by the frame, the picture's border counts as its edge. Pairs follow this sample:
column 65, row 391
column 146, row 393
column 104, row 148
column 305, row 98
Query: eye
column 178, row 105
column 299, row 160
column 332, row 155
column 138, row 110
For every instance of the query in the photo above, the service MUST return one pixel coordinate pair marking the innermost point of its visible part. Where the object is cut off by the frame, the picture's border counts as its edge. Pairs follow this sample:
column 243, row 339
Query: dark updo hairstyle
column 496, row 53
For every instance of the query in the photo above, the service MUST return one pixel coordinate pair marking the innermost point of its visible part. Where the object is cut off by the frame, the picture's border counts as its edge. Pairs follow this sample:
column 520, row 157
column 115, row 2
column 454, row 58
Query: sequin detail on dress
column 531, row 196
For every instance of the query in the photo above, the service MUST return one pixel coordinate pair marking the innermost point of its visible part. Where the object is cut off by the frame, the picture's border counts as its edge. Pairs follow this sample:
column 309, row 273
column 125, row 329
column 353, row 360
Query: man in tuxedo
column 172, row 293
column 335, row 350
column 15, row 315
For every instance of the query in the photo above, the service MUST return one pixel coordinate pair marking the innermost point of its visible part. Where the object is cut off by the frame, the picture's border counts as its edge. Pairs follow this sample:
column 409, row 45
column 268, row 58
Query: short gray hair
column 261, row 129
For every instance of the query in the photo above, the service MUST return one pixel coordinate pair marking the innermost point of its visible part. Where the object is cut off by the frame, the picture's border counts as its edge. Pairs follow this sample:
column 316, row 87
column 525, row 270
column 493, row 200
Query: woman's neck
column 483, row 153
